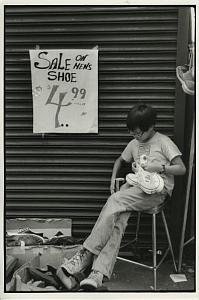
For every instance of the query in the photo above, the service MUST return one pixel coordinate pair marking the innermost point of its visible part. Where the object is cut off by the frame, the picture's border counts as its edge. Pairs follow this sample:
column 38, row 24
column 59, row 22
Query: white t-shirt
column 159, row 148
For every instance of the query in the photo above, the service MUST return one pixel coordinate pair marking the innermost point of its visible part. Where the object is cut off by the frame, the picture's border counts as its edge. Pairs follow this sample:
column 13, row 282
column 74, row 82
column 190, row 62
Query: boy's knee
column 125, row 186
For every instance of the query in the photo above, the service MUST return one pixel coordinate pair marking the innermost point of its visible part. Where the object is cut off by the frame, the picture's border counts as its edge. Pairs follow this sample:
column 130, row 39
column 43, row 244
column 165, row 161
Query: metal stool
column 154, row 211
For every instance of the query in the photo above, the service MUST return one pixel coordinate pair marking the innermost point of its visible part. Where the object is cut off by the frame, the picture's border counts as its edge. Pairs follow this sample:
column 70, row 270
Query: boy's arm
column 176, row 167
column 117, row 166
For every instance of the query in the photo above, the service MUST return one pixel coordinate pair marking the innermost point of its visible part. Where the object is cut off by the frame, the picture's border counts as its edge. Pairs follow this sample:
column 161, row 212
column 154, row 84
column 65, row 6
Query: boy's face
column 142, row 136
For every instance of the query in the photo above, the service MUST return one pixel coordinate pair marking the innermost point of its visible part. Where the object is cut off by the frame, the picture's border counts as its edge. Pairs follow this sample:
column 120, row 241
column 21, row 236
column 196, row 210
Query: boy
column 101, row 248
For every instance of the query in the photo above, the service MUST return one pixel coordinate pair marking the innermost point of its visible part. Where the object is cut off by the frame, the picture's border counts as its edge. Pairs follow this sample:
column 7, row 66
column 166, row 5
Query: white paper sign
column 65, row 90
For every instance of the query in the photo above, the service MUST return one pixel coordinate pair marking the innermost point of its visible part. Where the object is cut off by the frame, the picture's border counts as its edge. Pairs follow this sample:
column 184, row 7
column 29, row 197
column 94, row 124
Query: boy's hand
column 153, row 167
column 112, row 186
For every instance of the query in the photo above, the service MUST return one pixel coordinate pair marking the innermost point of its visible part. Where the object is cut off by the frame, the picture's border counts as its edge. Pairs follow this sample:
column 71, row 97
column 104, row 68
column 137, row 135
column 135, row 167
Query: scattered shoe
column 78, row 263
column 48, row 276
column 70, row 282
column 39, row 286
column 27, row 238
column 64, row 240
column 150, row 183
column 11, row 263
column 31, row 286
column 27, row 230
column 92, row 282
column 186, row 77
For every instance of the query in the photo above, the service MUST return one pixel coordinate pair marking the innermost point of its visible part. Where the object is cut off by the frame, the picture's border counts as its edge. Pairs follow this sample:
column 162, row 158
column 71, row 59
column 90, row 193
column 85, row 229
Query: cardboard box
column 39, row 257
column 49, row 227
column 50, row 254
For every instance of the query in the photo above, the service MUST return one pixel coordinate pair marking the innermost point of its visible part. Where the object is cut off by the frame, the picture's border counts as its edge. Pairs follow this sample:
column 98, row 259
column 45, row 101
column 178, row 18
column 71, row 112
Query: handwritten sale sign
column 65, row 90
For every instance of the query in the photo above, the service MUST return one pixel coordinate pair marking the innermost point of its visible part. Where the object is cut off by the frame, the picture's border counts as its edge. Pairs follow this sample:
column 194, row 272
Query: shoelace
column 147, row 177
column 94, row 274
column 78, row 257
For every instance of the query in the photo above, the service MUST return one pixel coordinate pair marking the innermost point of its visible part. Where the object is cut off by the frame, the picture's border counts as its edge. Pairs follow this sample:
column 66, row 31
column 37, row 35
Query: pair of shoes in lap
column 72, row 272
column 150, row 183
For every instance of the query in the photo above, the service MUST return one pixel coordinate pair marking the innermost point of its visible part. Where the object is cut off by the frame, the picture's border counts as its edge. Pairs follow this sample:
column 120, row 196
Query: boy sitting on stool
column 101, row 248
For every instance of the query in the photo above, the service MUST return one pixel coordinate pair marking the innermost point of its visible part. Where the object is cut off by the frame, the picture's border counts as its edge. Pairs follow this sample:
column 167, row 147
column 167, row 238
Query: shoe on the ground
column 186, row 78
column 47, row 276
column 92, row 282
column 11, row 264
column 149, row 182
column 68, row 281
column 78, row 263
column 27, row 238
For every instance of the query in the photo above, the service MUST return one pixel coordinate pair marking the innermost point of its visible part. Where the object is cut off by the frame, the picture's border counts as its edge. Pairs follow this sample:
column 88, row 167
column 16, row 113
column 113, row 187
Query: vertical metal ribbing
column 69, row 175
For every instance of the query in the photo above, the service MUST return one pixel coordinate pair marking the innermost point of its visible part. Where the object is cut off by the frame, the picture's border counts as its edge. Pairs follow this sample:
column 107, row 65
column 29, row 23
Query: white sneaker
column 78, row 263
column 93, row 281
column 150, row 183
column 131, row 179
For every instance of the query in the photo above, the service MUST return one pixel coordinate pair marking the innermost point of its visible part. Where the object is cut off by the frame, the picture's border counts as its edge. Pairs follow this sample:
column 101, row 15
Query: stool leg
column 169, row 239
column 154, row 251
column 137, row 226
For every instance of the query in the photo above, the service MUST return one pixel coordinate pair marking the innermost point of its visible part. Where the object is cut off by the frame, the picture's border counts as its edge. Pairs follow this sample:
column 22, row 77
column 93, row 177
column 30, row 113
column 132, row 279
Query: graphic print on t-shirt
column 143, row 150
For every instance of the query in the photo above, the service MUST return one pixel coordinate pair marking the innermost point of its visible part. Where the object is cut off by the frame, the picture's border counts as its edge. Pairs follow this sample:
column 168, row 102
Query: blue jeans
column 105, row 238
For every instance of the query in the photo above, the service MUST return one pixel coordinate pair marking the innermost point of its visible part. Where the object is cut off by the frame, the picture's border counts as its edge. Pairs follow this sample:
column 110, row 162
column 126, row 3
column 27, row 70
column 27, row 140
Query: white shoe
column 131, row 179
column 150, row 183
column 78, row 263
column 93, row 281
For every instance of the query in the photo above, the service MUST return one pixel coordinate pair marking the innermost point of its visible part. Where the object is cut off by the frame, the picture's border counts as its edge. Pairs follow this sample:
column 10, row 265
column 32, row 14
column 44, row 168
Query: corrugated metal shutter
column 68, row 175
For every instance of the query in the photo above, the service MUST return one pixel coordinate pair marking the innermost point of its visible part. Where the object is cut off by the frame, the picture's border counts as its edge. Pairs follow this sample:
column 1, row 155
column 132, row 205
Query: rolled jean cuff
column 103, row 271
column 90, row 249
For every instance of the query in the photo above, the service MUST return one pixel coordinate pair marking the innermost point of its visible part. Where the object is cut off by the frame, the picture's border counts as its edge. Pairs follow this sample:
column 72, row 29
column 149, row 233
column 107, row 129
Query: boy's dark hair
column 141, row 116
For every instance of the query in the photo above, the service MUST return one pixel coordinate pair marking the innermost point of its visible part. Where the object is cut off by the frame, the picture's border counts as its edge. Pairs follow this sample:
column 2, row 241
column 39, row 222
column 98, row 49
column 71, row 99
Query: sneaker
column 92, row 282
column 150, row 183
column 131, row 179
column 186, row 77
column 47, row 276
column 79, row 262
column 27, row 239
